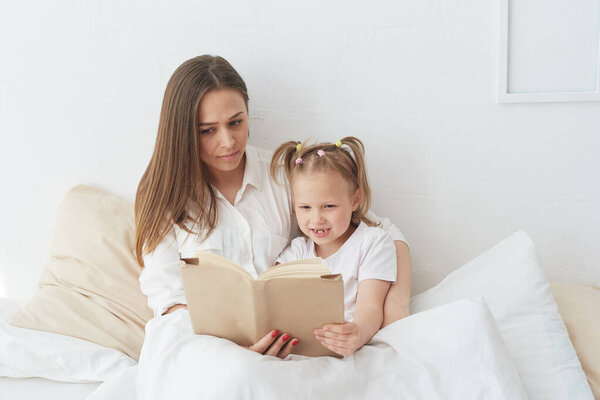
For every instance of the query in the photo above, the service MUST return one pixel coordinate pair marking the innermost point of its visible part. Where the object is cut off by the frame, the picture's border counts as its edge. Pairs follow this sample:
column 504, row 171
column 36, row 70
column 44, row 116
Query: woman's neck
column 229, row 182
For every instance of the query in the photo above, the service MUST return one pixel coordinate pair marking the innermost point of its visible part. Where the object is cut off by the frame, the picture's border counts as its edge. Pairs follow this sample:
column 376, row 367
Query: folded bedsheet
column 454, row 351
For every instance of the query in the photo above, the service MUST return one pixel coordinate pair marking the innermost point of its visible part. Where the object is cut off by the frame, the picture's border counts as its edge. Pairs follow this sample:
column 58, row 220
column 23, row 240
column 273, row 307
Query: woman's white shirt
column 252, row 233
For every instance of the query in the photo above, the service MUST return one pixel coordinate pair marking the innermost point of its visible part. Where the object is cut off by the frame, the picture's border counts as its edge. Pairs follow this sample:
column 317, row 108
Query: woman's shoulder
column 372, row 234
column 260, row 154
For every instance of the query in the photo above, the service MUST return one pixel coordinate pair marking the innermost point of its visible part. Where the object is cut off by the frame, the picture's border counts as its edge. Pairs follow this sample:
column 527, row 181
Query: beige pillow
column 579, row 306
column 90, row 288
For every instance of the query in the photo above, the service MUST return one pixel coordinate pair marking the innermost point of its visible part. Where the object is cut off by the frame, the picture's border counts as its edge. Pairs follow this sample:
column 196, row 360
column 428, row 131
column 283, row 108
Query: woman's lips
column 230, row 156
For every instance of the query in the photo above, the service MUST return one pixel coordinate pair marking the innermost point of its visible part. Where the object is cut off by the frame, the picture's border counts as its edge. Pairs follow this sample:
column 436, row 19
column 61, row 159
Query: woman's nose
column 226, row 138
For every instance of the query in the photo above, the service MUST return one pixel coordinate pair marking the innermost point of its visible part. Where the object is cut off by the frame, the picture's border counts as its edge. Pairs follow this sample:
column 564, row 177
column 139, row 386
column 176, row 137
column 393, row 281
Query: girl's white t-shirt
column 369, row 253
column 252, row 233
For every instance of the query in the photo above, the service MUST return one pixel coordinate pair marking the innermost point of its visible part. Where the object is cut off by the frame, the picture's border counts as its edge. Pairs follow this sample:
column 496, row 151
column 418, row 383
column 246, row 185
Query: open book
column 225, row 300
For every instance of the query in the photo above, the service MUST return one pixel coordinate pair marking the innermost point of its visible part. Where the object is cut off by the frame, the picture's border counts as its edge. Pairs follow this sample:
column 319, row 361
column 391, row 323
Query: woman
column 206, row 189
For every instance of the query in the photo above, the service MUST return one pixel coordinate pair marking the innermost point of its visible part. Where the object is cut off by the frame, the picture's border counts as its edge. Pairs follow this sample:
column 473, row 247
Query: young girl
column 331, row 198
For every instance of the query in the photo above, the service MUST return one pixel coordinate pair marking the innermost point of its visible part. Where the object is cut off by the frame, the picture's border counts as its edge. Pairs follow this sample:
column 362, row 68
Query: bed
column 38, row 388
column 490, row 329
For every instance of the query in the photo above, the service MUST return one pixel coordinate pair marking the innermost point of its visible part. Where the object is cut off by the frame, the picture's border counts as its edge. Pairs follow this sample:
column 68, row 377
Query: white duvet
column 450, row 352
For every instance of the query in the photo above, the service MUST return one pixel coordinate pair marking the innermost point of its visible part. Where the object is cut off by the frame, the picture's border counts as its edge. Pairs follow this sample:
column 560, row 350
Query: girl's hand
column 274, row 344
column 343, row 339
column 175, row 308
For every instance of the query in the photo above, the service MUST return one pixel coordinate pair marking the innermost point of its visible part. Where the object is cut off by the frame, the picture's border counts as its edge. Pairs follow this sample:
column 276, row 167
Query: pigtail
column 358, row 152
column 283, row 158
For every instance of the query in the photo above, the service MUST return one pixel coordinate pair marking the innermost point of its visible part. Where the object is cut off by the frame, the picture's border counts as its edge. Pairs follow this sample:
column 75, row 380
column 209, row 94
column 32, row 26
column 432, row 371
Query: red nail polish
column 285, row 337
column 295, row 342
column 275, row 333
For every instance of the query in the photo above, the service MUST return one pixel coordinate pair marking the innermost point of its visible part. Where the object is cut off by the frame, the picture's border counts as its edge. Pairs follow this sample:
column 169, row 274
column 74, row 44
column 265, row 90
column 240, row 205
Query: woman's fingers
column 274, row 344
column 277, row 345
column 263, row 344
column 288, row 348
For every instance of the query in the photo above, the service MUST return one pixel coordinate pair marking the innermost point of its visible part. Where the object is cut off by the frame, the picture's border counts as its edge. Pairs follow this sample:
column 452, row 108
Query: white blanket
column 450, row 352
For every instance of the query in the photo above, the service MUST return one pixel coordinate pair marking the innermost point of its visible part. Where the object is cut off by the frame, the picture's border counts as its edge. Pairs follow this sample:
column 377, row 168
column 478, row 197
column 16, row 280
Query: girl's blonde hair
column 347, row 157
column 175, row 188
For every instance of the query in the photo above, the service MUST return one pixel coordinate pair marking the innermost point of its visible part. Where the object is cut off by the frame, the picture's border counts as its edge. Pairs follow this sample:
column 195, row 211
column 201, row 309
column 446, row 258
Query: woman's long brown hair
column 174, row 190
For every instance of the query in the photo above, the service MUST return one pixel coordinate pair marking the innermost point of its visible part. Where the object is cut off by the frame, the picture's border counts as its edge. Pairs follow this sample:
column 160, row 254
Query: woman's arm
column 160, row 279
column 397, row 301
column 346, row 338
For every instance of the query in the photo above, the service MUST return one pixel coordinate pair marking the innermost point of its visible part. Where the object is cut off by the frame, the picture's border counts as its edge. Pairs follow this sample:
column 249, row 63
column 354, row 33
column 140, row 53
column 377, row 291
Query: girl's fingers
column 288, row 348
column 277, row 345
column 336, row 349
column 263, row 344
column 347, row 327
column 333, row 336
column 333, row 342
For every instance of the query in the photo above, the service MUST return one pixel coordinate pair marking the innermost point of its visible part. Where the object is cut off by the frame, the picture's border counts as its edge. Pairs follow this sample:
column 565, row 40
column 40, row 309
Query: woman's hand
column 343, row 339
column 274, row 344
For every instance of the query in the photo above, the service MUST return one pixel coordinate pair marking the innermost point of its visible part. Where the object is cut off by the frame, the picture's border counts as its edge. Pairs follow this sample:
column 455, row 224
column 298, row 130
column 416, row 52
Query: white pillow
column 510, row 279
column 29, row 353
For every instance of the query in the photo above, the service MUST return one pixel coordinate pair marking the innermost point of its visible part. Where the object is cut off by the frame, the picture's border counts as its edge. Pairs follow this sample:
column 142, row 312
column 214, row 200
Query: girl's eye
column 206, row 131
column 303, row 207
column 330, row 206
column 236, row 122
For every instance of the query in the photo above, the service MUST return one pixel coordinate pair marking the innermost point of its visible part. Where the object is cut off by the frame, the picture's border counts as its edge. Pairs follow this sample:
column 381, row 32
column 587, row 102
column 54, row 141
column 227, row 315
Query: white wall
column 81, row 85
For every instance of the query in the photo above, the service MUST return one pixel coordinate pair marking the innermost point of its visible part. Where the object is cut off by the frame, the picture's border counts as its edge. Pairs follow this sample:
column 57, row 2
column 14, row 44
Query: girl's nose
column 317, row 216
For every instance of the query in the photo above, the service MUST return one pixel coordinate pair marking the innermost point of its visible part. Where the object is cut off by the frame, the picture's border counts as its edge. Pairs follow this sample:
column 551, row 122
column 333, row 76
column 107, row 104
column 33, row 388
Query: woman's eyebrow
column 212, row 123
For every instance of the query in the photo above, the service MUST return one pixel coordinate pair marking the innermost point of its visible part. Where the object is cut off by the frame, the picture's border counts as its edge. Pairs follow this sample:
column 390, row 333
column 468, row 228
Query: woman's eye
column 206, row 131
column 236, row 122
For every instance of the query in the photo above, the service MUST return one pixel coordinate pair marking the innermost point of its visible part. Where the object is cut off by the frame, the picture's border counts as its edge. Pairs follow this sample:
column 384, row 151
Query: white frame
column 504, row 96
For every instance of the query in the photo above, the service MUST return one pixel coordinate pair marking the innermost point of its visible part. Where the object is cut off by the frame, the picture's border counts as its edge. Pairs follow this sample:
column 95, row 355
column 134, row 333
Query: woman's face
column 223, row 130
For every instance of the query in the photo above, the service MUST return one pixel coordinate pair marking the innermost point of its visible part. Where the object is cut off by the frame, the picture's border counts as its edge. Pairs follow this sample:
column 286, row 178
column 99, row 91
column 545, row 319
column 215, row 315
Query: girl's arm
column 397, row 301
column 346, row 338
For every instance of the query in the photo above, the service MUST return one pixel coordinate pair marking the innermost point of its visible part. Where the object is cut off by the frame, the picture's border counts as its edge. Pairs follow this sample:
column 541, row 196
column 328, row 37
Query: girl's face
column 324, row 203
column 223, row 130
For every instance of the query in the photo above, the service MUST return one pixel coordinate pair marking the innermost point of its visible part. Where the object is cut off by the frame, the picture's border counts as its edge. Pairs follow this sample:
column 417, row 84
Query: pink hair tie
column 320, row 153
column 298, row 160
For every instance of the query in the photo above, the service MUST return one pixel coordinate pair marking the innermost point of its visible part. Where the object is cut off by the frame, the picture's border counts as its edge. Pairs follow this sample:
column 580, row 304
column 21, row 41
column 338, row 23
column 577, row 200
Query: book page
column 207, row 258
column 308, row 268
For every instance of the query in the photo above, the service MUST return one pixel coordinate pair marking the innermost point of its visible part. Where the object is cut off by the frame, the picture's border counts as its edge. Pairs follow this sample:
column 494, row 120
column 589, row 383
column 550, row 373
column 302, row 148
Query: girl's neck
column 330, row 249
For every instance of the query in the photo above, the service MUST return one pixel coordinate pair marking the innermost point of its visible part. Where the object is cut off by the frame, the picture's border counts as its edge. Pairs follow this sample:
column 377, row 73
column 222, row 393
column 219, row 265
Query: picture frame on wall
column 549, row 51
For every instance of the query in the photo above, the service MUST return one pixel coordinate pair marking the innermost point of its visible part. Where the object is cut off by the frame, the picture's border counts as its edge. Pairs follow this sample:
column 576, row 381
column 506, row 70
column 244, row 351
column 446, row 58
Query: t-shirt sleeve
column 387, row 226
column 296, row 250
column 379, row 260
column 160, row 278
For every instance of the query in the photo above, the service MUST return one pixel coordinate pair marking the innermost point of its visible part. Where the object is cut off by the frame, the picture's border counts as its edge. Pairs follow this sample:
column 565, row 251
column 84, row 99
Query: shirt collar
column 253, row 172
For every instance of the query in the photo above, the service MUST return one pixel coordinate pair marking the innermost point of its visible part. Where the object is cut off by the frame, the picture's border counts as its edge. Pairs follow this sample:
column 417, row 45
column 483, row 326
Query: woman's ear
column 356, row 198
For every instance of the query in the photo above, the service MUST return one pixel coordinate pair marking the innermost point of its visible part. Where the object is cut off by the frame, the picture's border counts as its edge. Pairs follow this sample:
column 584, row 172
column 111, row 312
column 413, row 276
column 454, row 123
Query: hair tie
column 338, row 143
column 298, row 146
column 298, row 160
column 320, row 153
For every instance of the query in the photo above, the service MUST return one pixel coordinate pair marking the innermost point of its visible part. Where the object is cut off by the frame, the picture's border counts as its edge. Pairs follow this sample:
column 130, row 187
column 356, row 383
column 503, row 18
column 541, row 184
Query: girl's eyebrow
column 230, row 118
